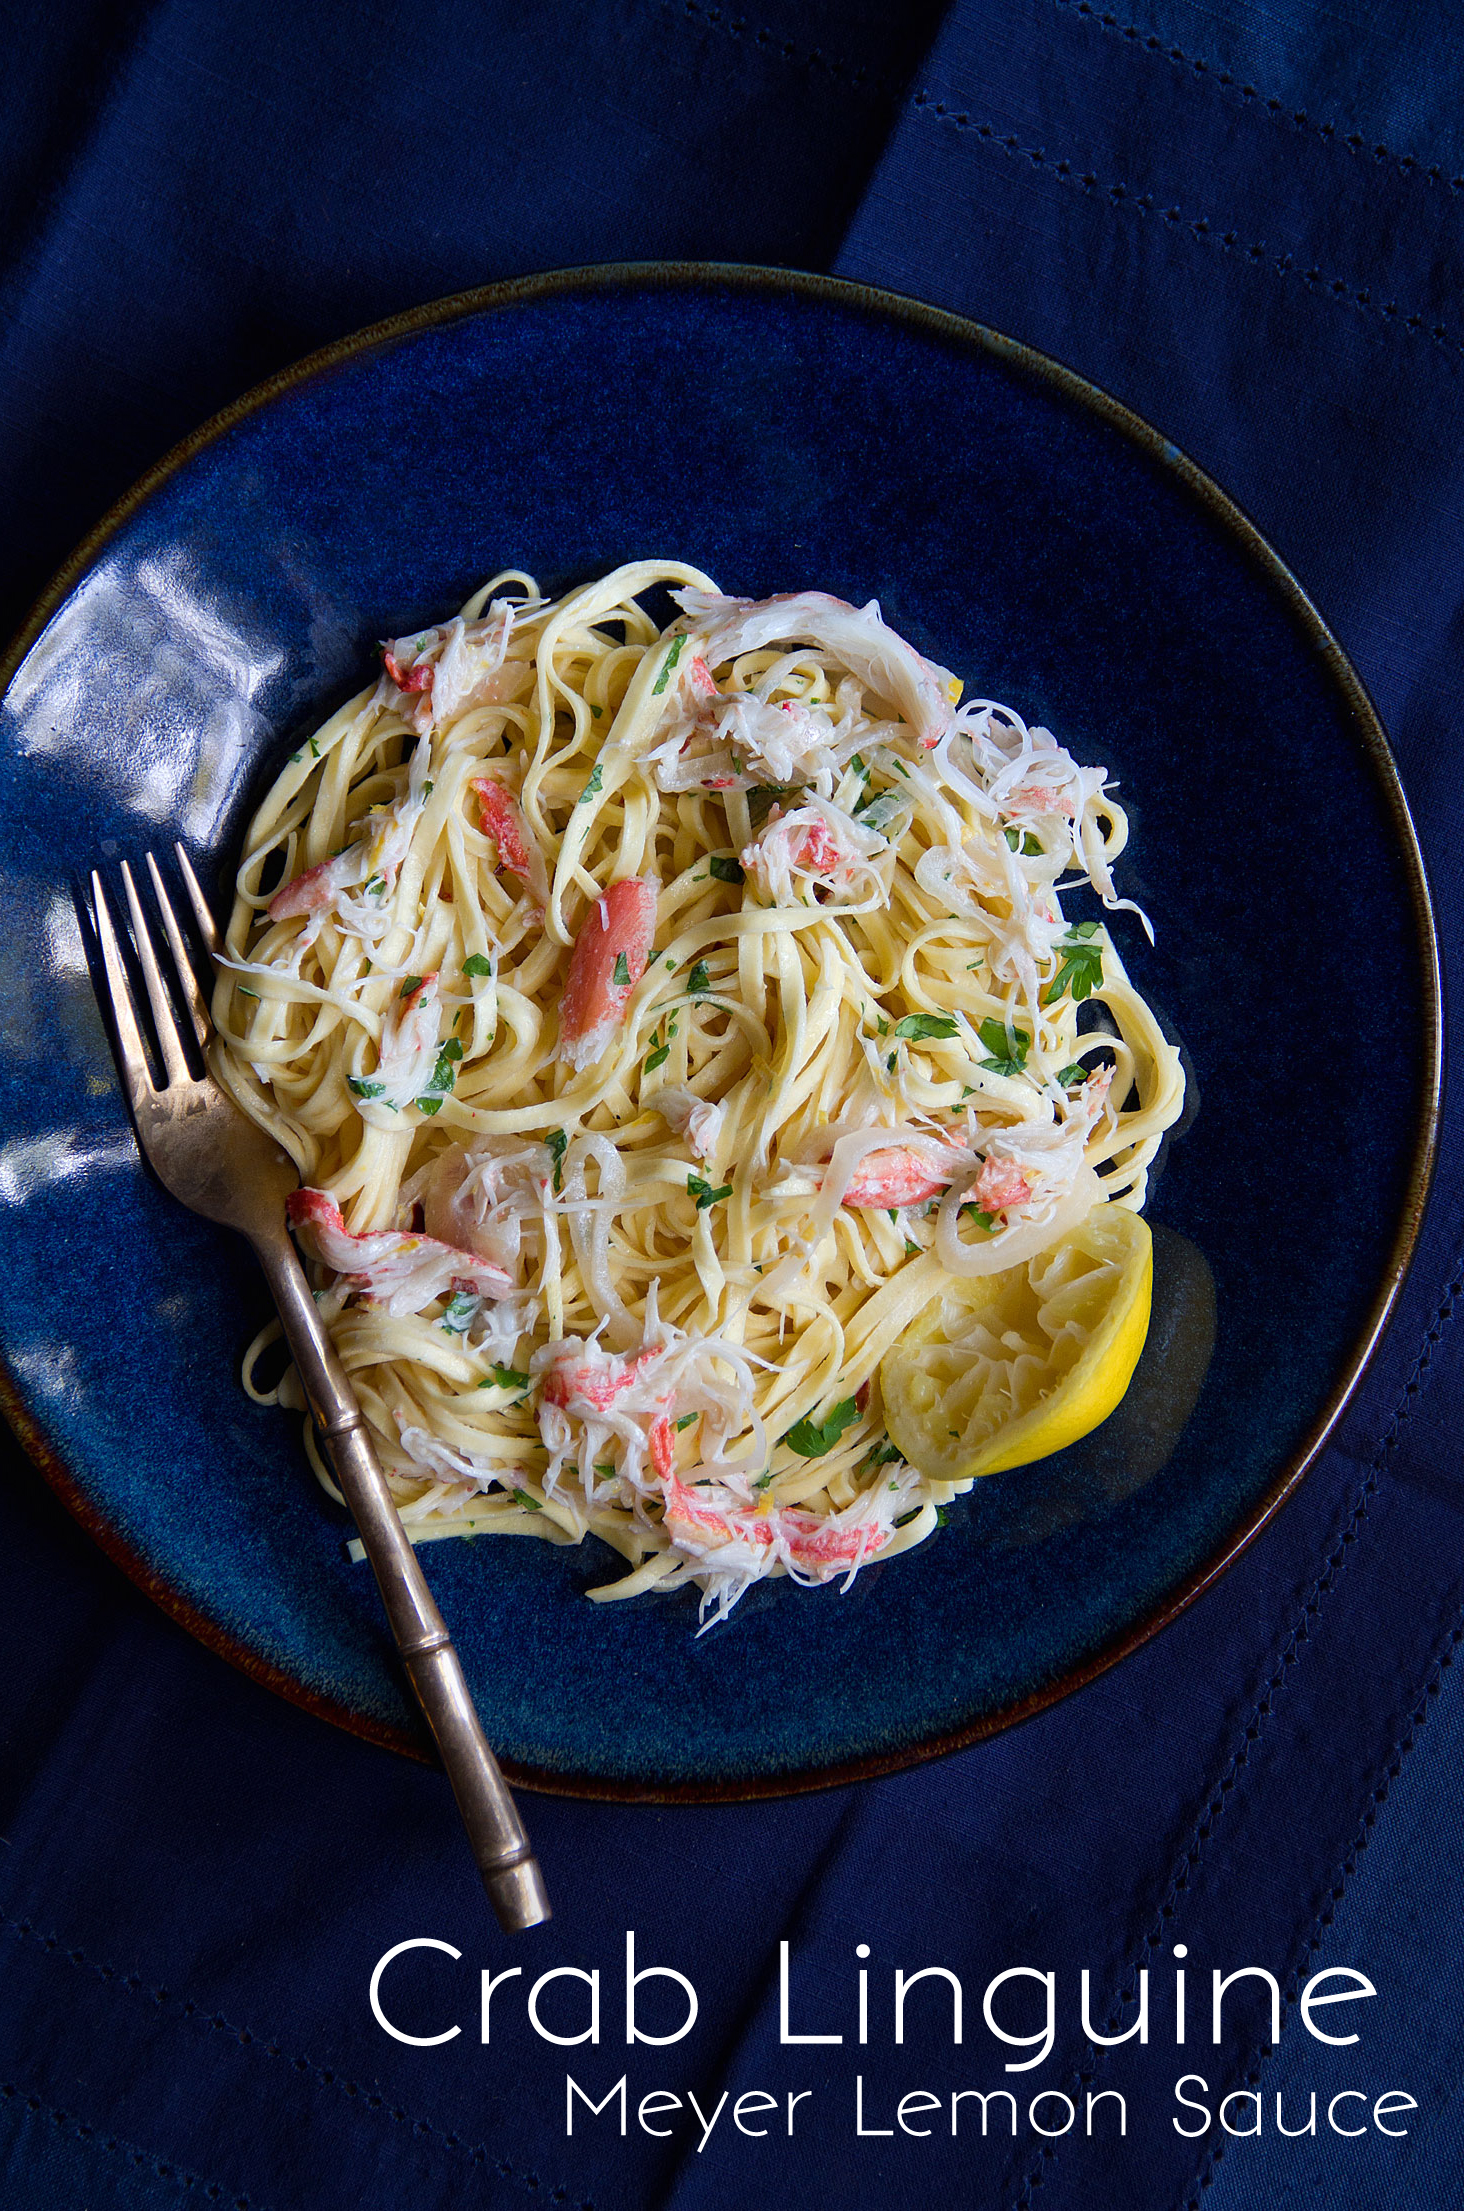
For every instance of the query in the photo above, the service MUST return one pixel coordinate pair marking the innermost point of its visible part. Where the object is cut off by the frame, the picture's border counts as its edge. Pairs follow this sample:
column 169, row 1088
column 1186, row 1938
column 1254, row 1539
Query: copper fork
column 217, row 1161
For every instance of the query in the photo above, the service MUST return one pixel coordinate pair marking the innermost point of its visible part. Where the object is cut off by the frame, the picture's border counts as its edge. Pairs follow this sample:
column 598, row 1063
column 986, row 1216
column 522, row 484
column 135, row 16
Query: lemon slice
column 1001, row 1369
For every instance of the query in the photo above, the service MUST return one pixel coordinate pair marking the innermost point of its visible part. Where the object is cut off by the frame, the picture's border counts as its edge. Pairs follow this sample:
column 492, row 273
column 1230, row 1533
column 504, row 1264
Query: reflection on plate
column 1019, row 528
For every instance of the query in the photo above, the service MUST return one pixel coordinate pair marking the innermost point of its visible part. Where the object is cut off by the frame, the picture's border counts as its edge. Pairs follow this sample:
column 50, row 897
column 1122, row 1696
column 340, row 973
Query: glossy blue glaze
column 781, row 437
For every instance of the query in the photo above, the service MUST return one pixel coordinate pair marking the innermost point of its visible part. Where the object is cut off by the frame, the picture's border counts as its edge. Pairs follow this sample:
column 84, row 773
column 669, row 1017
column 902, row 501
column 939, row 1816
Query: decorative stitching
column 1201, row 227
column 477, row 2153
column 737, row 26
column 1297, row 118
column 1264, row 1706
column 1337, row 1887
column 213, row 2190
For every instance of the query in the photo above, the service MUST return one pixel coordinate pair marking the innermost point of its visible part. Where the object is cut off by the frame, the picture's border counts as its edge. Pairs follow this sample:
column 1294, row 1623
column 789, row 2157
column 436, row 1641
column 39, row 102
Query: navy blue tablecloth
column 1247, row 221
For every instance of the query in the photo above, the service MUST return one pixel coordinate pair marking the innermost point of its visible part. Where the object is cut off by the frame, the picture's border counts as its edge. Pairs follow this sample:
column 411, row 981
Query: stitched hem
column 1257, row 252
column 1264, row 1707
column 1293, row 118
column 477, row 2154
column 14, row 2097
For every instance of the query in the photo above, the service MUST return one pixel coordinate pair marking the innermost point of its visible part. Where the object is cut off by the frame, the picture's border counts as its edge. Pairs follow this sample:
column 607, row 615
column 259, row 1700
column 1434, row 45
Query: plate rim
column 1367, row 724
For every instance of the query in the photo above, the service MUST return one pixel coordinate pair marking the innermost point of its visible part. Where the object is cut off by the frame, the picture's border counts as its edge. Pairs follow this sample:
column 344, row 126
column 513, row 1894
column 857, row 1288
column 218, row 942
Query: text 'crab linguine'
column 661, row 1019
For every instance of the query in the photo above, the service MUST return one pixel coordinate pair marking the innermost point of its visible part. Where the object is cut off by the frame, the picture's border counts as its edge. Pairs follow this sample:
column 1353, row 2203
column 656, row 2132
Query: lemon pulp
column 1002, row 1369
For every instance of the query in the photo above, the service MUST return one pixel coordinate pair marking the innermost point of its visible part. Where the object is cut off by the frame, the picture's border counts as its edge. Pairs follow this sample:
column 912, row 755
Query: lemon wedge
column 1001, row 1369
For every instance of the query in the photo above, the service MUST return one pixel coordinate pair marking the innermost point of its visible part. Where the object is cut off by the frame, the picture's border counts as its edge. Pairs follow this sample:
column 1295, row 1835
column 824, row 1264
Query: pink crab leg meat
column 1000, row 1185
column 382, row 1259
column 895, row 1177
column 500, row 819
column 608, row 960
column 409, row 679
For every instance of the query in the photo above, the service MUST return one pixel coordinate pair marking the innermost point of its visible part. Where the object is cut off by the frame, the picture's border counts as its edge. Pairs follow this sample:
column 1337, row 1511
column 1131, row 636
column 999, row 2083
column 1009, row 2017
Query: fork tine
column 188, row 981
column 129, row 1036
column 163, row 1021
column 208, row 928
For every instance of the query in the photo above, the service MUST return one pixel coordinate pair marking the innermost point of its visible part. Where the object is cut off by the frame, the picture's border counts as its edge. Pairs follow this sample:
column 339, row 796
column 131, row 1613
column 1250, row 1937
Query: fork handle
column 500, row 1844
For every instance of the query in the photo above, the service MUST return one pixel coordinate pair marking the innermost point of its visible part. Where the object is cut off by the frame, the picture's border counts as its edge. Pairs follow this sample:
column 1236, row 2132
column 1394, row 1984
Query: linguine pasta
column 659, row 1018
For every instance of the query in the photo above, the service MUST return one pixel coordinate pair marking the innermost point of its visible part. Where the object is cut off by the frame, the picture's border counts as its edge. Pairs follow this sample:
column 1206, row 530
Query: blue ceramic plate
column 1021, row 528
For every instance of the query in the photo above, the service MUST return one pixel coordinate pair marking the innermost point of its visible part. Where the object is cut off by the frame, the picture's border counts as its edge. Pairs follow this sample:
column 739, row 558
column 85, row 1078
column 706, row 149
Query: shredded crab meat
column 406, row 1054
column 485, row 1195
column 324, row 893
column 1031, row 1178
column 817, row 847
column 858, row 638
column 729, row 1544
column 399, row 1269
column 602, row 1410
column 1030, row 780
column 440, row 673
column 699, row 1120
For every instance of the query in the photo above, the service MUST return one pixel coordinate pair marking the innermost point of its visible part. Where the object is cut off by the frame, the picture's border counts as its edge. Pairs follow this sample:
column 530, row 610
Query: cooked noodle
column 658, row 1017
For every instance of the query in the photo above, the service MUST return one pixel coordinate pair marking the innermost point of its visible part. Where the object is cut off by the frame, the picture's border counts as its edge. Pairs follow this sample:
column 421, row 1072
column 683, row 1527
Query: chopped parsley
column 906, row 1517
column 985, row 1221
column 592, row 787
column 1077, row 1072
column 699, row 1188
column 244, row 991
column 622, row 971
column 459, row 1311
column 477, row 963
column 657, row 1058
column 677, row 645
column 1029, row 846
column 685, row 1421
column 362, row 1088
column 1080, row 965
column 558, row 1144
column 530, row 1504
column 314, row 748
column 597, row 711
column 763, row 797
column 699, row 980
column 810, row 1440
column 505, row 1378
column 409, row 984
column 1008, row 1052
column 725, row 868
column 918, row 1026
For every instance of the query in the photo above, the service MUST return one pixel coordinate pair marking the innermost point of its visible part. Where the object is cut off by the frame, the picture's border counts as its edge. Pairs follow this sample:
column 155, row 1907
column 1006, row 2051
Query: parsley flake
column 365, row 1089
column 1077, row 1072
column 657, row 1058
column 810, row 1440
column 592, row 787
column 459, row 1312
column 725, row 868
column 699, row 1188
column 685, row 1421
column 622, row 971
column 557, row 1144
column 1029, row 846
column 477, row 963
column 530, row 1504
column 677, row 645
column 1008, row 1052
column 1080, row 965
column 920, row 1026
column 699, row 981
column 409, row 984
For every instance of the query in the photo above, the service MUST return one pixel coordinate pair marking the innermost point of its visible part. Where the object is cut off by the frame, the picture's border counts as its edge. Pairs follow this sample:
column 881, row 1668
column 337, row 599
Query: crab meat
column 899, row 1175
column 608, row 960
column 1001, row 1186
column 500, row 818
column 405, row 1272
column 484, row 1195
column 817, row 846
column 729, row 1545
column 699, row 1120
column 406, row 1053
column 857, row 637
column 324, row 890
column 441, row 672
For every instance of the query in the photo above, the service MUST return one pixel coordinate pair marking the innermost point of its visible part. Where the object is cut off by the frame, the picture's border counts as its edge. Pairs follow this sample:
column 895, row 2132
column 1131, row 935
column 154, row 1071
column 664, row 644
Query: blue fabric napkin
column 1246, row 222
